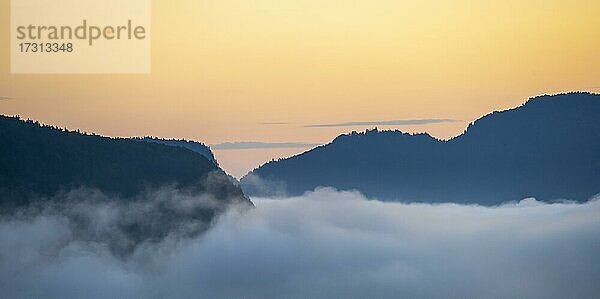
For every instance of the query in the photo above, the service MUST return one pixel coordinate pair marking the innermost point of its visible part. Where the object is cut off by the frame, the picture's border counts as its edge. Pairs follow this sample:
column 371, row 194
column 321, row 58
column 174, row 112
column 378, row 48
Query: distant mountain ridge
column 547, row 148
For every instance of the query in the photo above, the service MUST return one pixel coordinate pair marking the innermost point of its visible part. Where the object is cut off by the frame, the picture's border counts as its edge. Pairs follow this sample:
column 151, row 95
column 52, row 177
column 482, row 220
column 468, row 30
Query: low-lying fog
column 325, row 244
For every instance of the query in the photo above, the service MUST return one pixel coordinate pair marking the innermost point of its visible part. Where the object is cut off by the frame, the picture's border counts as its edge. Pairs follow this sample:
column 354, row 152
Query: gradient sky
column 268, row 71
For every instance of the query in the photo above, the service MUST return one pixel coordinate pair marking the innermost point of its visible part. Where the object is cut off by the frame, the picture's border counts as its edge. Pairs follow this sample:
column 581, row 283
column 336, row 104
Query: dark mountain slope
column 548, row 148
column 40, row 160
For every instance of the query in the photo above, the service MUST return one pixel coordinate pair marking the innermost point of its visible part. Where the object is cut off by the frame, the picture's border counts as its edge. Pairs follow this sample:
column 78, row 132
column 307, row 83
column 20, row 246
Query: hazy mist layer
column 325, row 244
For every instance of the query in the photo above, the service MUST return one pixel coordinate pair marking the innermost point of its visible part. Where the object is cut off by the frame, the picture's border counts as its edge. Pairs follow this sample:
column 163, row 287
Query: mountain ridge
column 39, row 160
column 192, row 145
column 520, row 147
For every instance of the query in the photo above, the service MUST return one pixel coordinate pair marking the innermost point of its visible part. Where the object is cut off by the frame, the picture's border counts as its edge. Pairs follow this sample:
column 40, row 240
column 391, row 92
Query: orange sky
column 221, row 69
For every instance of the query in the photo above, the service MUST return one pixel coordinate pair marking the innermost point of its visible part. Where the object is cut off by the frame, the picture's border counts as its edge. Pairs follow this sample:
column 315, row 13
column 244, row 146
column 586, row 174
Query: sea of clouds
column 324, row 244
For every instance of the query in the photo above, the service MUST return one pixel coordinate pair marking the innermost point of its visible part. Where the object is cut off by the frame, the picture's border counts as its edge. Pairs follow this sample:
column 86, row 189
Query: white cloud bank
column 325, row 244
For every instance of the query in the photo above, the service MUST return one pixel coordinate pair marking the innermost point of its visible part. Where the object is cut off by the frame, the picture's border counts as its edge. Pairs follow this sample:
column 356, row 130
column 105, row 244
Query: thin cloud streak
column 5, row 98
column 257, row 144
column 397, row 122
column 274, row 123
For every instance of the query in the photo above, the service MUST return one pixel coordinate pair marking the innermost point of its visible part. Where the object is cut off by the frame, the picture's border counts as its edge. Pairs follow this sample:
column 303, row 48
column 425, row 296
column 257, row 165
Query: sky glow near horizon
column 268, row 71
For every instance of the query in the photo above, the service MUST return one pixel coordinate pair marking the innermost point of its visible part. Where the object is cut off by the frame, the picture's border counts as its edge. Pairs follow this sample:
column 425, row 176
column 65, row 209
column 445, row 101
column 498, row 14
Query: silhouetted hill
column 195, row 146
column 547, row 148
column 39, row 161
